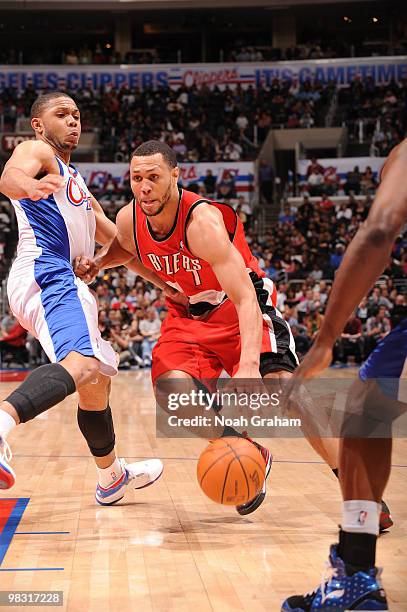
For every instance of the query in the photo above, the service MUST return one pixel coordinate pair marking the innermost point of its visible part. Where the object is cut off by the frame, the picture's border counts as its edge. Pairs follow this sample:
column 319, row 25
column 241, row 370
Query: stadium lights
column 375, row 19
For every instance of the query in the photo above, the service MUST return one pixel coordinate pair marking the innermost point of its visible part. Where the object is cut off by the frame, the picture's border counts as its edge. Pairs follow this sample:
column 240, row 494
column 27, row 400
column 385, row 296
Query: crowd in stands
column 112, row 194
column 188, row 118
column 84, row 56
column 382, row 110
column 242, row 51
column 325, row 182
column 317, row 49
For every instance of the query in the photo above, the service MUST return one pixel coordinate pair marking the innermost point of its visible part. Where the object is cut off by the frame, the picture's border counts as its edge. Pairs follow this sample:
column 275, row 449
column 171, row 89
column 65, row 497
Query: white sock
column 109, row 475
column 7, row 423
column 361, row 516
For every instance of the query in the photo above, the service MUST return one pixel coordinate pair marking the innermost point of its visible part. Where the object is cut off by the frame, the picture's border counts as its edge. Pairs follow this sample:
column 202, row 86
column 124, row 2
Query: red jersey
column 170, row 258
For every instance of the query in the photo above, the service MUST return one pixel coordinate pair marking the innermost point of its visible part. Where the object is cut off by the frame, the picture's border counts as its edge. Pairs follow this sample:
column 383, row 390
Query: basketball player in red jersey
column 198, row 247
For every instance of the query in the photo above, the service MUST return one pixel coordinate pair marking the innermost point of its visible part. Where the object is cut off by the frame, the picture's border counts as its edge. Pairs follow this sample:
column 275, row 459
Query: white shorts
column 60, row 310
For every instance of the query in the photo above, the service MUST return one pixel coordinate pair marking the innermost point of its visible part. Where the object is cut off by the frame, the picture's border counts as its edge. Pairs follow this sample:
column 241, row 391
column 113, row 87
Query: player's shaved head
column 152, row 147
column 44, row 100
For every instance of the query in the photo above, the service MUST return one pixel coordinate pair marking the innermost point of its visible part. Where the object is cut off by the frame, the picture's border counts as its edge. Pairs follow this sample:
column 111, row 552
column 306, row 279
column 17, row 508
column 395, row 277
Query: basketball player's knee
column 95, row 395
column 98, row 430
column 170, row 385
column 43, row 388
column 82, row 368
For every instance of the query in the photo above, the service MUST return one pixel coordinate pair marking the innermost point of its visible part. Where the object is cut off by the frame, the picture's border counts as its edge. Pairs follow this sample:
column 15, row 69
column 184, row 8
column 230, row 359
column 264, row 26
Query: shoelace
column 5, row 450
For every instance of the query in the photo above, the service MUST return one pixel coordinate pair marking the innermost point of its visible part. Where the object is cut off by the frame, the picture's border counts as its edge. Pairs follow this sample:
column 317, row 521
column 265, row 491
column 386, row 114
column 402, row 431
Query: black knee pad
column 43, row 388
column 97, row 429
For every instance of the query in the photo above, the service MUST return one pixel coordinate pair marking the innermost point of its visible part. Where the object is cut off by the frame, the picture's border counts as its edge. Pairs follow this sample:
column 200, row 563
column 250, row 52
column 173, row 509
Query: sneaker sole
column 347, row 610
column 7, row 477
column 151, row 482
column 112, row 503
column 260, row 497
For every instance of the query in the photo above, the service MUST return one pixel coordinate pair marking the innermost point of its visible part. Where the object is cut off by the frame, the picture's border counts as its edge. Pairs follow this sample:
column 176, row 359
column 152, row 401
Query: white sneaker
column 141, row 474
column 7, row 475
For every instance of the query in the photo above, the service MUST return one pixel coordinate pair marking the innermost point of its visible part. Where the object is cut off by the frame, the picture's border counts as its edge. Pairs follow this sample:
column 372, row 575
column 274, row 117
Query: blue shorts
column 59, row 310
column 388, row 362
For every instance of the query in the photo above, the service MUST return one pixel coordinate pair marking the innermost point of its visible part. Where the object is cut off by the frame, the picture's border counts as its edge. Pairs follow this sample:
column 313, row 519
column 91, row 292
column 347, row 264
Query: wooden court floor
column 168, row 547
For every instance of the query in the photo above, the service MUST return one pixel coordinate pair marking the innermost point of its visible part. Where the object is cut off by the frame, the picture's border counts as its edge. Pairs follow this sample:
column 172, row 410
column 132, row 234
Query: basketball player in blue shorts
column 59, row 220
column 375, row 400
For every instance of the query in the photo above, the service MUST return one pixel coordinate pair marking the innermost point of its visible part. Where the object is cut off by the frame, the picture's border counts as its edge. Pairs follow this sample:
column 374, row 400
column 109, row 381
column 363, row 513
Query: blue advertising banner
column 73, row 78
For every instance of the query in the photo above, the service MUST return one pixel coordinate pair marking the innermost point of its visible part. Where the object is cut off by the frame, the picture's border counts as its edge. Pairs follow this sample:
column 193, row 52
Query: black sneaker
column 253, row 504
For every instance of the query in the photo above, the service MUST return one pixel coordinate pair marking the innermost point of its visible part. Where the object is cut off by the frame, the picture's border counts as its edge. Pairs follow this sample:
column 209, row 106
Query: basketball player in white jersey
column 58, row 220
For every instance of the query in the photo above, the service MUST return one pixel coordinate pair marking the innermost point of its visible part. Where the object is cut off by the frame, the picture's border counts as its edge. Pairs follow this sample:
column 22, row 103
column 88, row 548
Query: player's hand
column 38, row 189
column 176, row 296
column 247, row 380
column 85, row 268
column 317, row 359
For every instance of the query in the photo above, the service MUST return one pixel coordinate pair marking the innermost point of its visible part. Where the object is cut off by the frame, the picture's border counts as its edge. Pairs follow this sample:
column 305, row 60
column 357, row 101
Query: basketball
column 231, row 471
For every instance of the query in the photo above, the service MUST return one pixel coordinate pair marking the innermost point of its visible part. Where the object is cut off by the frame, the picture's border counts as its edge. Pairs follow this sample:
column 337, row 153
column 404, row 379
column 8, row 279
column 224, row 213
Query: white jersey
column 44, row 294
column 61, row 226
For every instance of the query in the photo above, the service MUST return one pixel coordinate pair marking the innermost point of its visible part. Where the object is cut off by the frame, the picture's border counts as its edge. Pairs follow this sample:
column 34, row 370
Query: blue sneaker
column 140, row 474
column 341, row 593
column 7, row 475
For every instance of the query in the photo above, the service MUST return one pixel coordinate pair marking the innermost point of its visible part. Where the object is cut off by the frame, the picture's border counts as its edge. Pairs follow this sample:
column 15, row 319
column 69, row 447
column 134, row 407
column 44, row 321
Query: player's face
column 153, row 183
column 60, row 124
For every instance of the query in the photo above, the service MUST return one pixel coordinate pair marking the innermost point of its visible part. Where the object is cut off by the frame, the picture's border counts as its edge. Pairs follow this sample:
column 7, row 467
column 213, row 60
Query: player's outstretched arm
column 29, row 159
column 209, row 240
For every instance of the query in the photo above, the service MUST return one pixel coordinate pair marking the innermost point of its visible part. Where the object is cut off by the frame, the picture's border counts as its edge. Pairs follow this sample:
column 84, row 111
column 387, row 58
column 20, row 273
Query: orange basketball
column 231, row 471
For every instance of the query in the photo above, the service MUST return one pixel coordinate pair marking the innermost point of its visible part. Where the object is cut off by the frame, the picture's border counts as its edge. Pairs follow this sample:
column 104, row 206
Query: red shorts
column 203, row 348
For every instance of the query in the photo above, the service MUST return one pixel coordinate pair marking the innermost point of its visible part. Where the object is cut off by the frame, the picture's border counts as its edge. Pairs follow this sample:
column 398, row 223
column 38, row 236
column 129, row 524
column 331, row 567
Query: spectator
column 351, row 341
column 266, row 181
column 227, row 187
column 314, row 167
column 210, row 184
column 120, row 343
column 368, row 181
column 150, row 331
column 337, row 256
column 315, row 183
column 399, row 311
column 377, row 327
column 286, row 216
column 302, row 341
column 353, row 181
column 14, row 342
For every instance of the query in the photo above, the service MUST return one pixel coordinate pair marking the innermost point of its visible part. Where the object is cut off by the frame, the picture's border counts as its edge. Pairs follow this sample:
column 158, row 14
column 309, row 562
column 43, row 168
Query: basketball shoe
column 140, row 474
column 342, row 592
column 386, row 520
column 7, row 475
column 253, row 504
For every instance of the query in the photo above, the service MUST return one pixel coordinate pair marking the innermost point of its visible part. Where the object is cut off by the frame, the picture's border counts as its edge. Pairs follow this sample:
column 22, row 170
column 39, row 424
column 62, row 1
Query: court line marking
column 31, row 569
column 289, row 461
column 42, row 532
